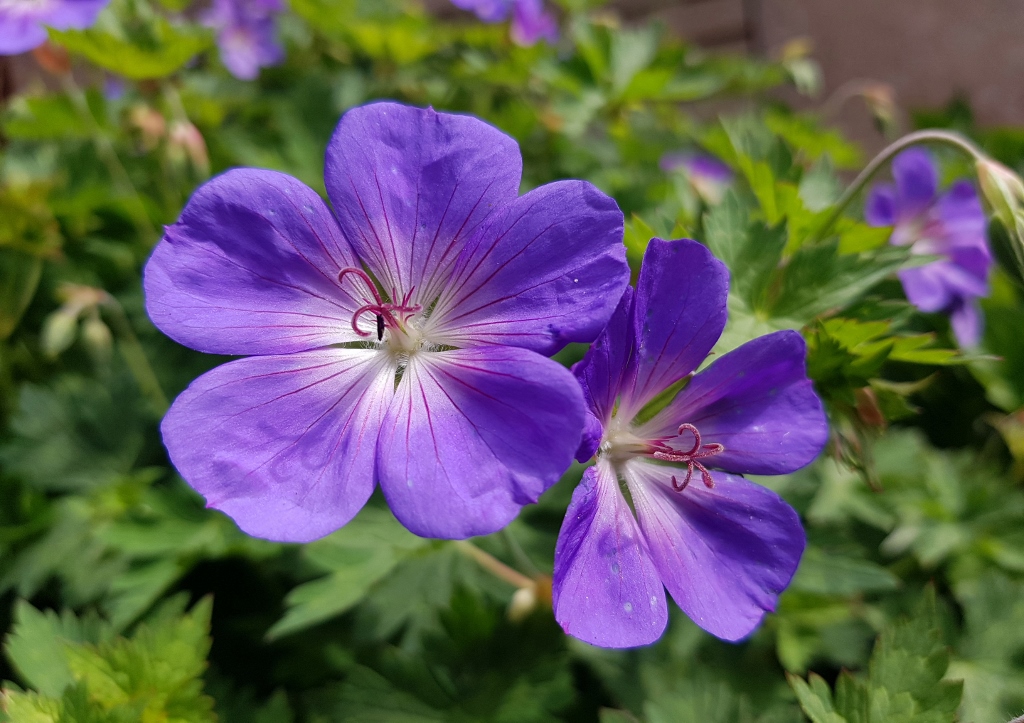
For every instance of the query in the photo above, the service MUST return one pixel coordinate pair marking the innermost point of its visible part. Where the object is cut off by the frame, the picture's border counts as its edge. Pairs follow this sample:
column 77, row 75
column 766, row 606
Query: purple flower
column 23, row 23
column 530, row 21
column 709, row 177
column 951, row 225
column 723, row 546
column 246, row 35
column 401, row 339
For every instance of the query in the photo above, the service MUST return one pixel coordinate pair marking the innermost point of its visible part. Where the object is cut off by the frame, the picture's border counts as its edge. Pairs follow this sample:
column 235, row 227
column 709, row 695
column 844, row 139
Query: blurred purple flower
column 23, row 23
column 401, row 339
column 709, row 177
column 246, row 34
column 530, row 21
column 951, row 225
column 724, row 547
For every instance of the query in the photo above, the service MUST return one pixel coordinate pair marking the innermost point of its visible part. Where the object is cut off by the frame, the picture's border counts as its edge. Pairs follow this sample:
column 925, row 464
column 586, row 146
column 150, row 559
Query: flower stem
column 494, row 566
column 926, row 136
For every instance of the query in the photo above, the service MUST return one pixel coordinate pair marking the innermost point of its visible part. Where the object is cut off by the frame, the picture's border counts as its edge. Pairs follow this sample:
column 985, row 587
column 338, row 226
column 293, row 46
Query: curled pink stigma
column 690, row 457
column 387, row 315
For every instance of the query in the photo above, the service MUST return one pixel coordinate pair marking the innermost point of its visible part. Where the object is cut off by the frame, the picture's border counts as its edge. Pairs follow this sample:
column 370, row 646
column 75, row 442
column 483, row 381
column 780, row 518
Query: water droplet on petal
column 654, row 601
column 628, row 607
column 615, row 568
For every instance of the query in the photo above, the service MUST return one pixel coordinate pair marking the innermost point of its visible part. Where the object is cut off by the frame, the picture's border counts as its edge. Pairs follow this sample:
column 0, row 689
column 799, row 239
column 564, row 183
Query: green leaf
column 19, row 277
column 161, row 52
column 826, row 574
column 358, row 555
column 815, row 699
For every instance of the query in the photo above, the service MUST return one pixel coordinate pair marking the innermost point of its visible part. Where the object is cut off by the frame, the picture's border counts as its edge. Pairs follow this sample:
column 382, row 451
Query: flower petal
column 531, row 22
column 880, row 208
column 410, row 185
column 252, row 268
column 605, row 590
column 546, row 270
column 758, row 403
column 473, row 435
column 967, row 322
column 725, row 553
column 601, row 370
column 679, row 313
column 284, row 445
column 917, row 181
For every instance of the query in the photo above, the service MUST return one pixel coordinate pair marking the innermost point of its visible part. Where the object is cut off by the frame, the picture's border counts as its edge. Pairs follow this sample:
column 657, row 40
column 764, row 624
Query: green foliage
column 904, row 680
column 82, row 673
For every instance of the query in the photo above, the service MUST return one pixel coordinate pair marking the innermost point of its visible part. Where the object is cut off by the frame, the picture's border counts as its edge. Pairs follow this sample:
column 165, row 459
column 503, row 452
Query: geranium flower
column 951, row 225
column 723, row 546
column 401, row 340
column 23, row 23
column 530, row 21
column 246, row 35
column 709, row 177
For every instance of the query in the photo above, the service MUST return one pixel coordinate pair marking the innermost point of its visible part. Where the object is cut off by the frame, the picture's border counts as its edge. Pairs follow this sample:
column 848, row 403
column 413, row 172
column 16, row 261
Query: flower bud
column 150, row 123
column 1004, row 192
column 59, row 331
column 97, row 338
column 53, row 58
column 186, row 138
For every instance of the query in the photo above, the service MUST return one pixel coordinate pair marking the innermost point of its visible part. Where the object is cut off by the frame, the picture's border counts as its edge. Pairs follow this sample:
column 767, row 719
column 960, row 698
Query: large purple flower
column 23, row 23
column 246, row 34
column 952, row 225
column 530, row 21
column 401, row 340
column 723, row 546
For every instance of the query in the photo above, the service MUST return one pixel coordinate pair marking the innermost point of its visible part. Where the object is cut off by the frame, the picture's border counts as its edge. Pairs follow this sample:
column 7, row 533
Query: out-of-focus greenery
column 914, row 574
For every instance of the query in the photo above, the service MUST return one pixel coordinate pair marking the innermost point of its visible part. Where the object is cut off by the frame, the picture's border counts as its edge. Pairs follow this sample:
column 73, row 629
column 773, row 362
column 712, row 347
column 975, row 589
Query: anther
column 690, row 457
column 387, row 315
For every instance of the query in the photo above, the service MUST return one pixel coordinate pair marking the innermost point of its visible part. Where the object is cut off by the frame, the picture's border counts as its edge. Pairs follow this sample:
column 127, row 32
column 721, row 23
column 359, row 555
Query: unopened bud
column 150, row 123
column 59, row 330
column 868, row 408
column 52, row 58
column 185, row 137
column 97, row 338
column 1004, row 192
column 526, row 599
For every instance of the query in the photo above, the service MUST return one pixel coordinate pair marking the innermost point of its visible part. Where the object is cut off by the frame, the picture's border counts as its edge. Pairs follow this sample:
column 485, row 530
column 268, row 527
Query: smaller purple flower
column 723, row 546
column 951, row 225
column 530, row 21
column 246, row 35
column 23, row 23
column 709, row 177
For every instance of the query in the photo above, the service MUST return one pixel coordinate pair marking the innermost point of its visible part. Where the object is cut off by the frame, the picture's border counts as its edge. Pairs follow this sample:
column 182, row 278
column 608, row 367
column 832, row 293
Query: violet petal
column 410, row 185
column 725, row 554
column 546, row 270
column 283, row 444
column 679, row 313
column 917, row 181
column 606, row 590
column 756, row 401
column 252, row 268
column 475, row 434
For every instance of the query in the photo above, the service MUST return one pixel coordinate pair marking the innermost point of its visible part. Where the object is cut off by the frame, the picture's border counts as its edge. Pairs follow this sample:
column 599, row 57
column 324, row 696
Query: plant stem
column 493, row 565
column 925, row 136
column 134, row 356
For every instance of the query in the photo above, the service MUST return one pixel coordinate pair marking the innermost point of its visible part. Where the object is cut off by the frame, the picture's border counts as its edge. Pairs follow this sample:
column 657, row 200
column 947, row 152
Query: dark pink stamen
column 386, row 314
column 690, row 457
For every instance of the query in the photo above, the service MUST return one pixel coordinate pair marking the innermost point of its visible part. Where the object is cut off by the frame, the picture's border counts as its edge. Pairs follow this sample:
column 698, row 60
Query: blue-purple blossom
column 530, row 21
column 723, row 546
column 23, row 23
column 951, row 225
column 709, row 177
column 246, row 34
column 401, row 339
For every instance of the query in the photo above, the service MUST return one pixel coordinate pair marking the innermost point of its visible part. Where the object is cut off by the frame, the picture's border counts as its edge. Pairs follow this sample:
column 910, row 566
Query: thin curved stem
column 494, row 566
column 925, row 136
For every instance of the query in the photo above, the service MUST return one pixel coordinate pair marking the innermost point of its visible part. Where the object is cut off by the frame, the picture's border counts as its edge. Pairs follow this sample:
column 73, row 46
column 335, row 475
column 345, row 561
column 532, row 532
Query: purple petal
column 23, row 24
column 546, row 270
column 490, row 11
column 475, row 434
column 410, row 185
column 967, row 322
column 19, row 34
column 78, row 14
column 531, row 22
column 251, row 268
column 679, row 313
column 937, row 286
column 917, row 181
column 725, row 554
column 880, row 209
column 600, row 372
column 283, row 444
column 246, row 49
column 758, row 403
column 605, row 590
